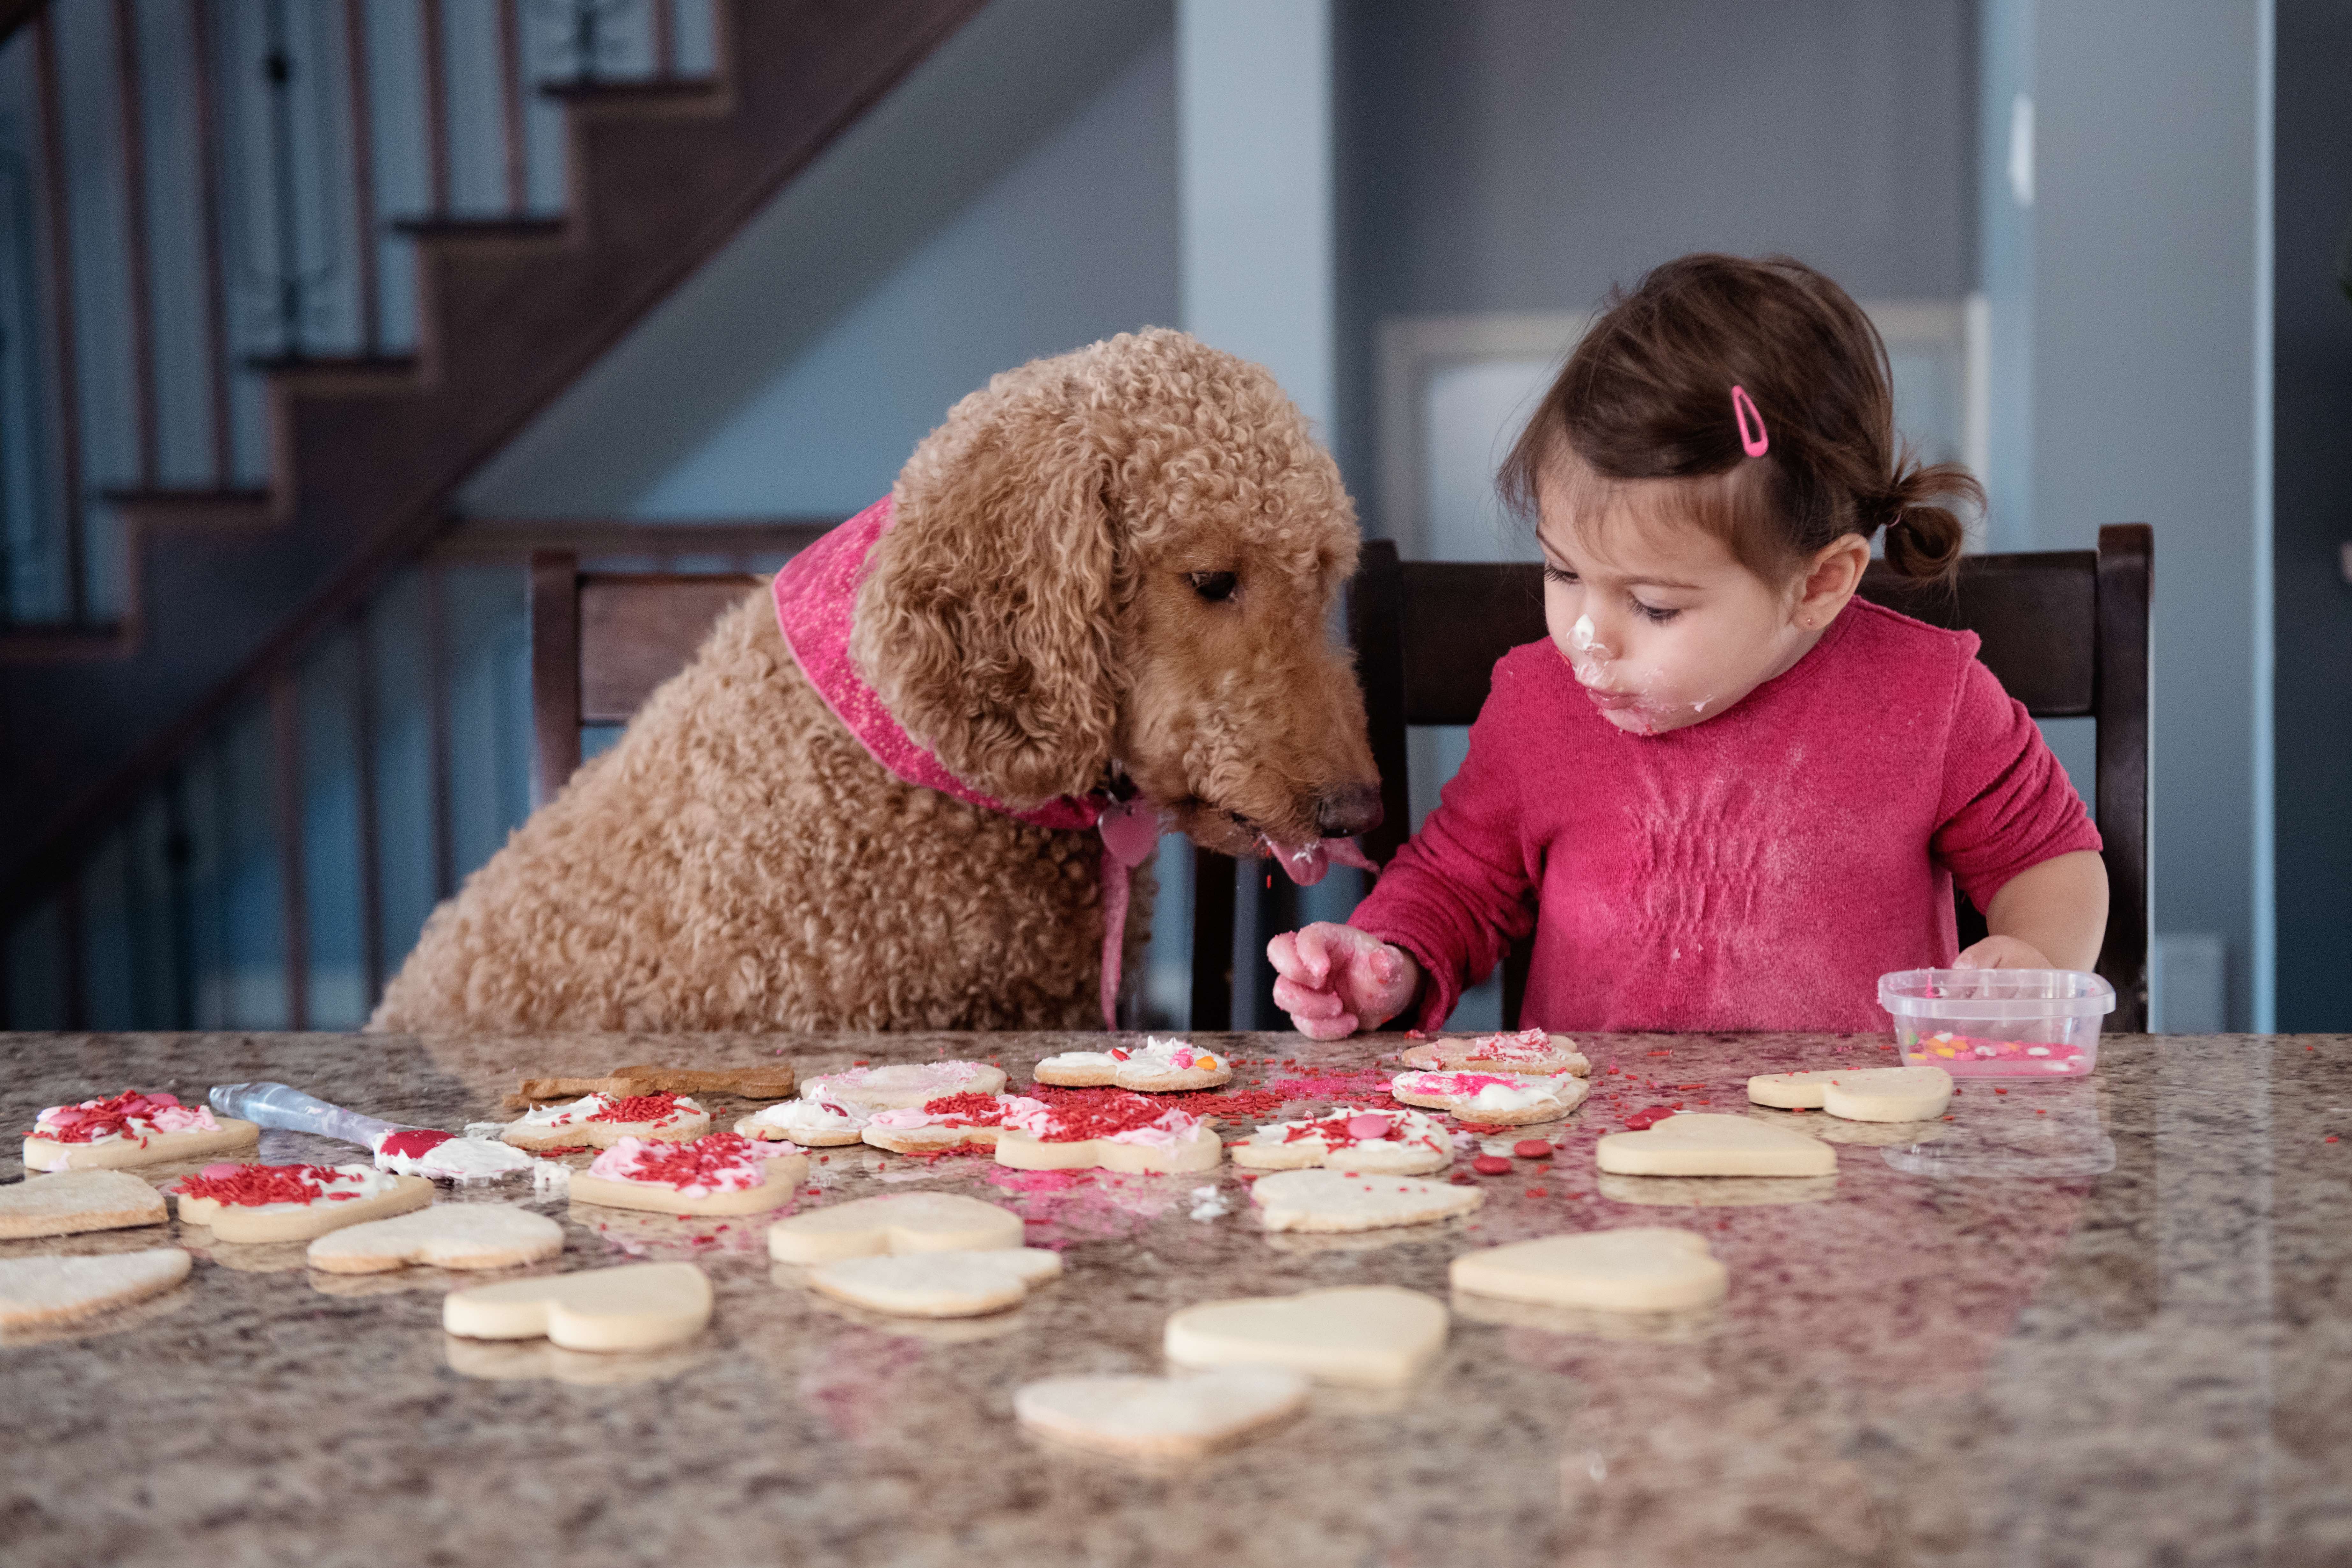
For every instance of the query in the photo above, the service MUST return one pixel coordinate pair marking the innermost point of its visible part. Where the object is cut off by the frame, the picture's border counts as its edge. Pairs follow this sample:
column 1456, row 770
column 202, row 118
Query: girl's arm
column 2052, row 915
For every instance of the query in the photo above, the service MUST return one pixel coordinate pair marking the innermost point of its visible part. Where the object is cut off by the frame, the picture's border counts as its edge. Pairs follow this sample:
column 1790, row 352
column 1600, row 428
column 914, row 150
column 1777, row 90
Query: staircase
column 224, row 585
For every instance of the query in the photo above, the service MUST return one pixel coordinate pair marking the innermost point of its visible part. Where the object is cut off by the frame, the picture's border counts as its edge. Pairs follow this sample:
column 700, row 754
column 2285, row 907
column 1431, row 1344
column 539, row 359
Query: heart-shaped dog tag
column 1161, row 1417
column 1703, row 1145
column 1372, row 1336
column 636, row 1307
column 899, row 1222
column 1129, row 830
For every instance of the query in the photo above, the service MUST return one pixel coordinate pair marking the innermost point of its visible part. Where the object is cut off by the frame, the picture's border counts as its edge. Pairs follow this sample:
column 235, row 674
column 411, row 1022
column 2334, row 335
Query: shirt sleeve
column 1460, row 891
column 2007, row 802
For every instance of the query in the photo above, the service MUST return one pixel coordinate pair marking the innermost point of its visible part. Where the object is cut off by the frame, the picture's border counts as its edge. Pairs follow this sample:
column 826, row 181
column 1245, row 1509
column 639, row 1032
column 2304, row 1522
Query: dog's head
column 1125, row 558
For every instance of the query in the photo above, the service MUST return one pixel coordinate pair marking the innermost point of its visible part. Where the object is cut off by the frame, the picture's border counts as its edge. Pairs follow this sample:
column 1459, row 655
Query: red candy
column 1532, row 1148
column 1647, row 1117
column 1491, row 1165
column 1369, row 1125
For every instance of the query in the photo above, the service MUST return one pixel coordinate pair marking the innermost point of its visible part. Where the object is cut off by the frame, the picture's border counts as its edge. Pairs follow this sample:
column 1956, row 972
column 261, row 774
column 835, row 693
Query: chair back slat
column 636, row 630
column 2032, row 613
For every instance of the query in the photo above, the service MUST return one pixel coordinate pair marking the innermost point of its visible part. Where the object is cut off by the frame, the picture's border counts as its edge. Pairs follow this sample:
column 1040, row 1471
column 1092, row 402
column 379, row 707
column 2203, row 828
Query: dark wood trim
column 1213, row 879
column 206, row 110
column 1376, row 631
column 73, row 973
column 436, row 724
column 587, row 539
column 511, row 129
column 66, row 369
column 15, row 13
column 356, row 90
column 554, row 672
column 293, row 886
column 133, row 133
column 661, row 21
column 179, row 851
column 436, row 105
column 370, row 847
column 2127, row 583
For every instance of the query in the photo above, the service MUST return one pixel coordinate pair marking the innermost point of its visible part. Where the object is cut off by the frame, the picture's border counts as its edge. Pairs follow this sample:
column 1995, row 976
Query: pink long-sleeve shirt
column 1759, row 871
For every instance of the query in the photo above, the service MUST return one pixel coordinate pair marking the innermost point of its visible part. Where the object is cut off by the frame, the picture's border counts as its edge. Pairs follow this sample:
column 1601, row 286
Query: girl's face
column 1662, row 624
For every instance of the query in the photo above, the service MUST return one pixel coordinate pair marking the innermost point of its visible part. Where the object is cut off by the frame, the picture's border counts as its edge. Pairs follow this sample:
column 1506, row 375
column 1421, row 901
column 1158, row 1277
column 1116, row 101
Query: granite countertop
column 2098, row 1321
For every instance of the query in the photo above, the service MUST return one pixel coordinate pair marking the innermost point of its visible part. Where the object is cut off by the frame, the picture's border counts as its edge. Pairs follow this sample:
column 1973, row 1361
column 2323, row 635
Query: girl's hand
column 1333, row 979
column 2003, row 952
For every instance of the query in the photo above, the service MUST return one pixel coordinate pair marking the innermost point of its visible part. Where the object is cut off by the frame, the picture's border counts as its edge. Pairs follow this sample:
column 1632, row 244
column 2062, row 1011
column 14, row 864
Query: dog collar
column 816, row 599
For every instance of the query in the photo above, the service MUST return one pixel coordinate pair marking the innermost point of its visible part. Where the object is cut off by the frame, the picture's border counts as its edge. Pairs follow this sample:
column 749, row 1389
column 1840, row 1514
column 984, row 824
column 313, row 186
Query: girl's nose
column 1585, row 639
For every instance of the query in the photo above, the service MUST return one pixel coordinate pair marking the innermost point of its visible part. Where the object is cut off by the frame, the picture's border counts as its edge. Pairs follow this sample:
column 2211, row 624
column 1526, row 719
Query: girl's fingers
column 1305, row 1001
column 1282, row 952
column 1315, row 953
column 1326, row 1028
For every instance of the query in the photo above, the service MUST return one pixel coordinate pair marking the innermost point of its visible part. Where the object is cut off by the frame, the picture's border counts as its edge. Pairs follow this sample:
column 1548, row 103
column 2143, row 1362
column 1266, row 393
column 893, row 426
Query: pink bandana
column 816, row 597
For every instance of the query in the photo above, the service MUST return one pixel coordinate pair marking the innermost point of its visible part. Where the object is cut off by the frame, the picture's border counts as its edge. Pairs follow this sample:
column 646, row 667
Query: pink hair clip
column 1743, row 409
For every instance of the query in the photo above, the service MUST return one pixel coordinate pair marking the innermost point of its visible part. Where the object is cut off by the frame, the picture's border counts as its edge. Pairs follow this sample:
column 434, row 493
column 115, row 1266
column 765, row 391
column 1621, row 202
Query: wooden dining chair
column 2066, row 631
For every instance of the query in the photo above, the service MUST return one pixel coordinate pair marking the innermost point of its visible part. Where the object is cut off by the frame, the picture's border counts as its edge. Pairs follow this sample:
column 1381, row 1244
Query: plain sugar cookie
column 719, row 1174
column 73, row 1201
column 1699, row 1144
column 636, row 1307
column 1858, row 1094
column 35, row 1291
column 1161, row 1417
column 1155, row 1067
column 938, row 1284
column 1336, row 1200
column 1638, row 1269
column 446, row 1235
column 1368, row 1336
column 292, row 1202
column 895, row 1222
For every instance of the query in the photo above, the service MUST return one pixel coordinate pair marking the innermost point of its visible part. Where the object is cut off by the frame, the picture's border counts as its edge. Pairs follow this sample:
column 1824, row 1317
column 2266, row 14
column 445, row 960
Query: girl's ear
column 1831, row 579
column 987, row 618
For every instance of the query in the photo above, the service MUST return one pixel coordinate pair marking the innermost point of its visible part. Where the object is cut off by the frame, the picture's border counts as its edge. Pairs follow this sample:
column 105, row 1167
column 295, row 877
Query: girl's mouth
column 1611, row 701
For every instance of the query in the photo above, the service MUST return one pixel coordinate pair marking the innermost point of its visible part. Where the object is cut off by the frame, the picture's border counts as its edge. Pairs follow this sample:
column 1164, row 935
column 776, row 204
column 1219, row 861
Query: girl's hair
column 1647, row 396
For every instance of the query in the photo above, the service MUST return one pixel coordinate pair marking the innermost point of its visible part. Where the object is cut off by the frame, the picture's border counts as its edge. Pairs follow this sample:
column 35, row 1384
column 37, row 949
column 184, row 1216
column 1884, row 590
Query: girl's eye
column 1657, row 614
column 1211, row 586
column 1554, row 574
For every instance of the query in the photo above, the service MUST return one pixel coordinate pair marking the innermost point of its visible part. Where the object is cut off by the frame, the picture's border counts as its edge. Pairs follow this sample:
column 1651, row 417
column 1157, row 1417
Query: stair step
column 670, row 95
column 219, row 509
column 485, row 233
column 63, row 644
column 353, row 374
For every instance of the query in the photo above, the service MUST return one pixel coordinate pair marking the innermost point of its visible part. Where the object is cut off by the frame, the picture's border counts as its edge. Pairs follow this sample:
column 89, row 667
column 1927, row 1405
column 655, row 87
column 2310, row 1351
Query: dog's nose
column 1349, row 809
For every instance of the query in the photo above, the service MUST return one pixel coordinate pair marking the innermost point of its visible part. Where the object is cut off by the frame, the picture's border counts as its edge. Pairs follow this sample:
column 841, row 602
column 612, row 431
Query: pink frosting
column 623, row 1160
column 1451, row 1083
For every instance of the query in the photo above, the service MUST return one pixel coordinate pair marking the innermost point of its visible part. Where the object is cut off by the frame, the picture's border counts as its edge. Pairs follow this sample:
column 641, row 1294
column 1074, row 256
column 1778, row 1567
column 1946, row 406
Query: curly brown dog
column 1116, row 565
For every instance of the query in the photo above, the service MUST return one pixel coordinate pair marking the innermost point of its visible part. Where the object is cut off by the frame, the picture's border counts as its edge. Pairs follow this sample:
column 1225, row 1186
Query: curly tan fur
column 1035, row 617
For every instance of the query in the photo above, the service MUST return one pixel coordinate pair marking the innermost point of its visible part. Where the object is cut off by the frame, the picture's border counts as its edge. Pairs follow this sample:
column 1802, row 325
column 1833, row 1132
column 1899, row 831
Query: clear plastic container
column 1998, row 1023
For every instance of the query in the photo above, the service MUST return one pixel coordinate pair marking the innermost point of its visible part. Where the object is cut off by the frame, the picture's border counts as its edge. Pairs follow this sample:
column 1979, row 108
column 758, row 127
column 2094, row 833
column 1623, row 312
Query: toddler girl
column 1726, row 794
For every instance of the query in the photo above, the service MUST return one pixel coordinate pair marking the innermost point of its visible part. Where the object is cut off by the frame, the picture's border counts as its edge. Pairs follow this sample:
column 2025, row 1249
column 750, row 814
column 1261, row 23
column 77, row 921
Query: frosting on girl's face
column 1662, row 624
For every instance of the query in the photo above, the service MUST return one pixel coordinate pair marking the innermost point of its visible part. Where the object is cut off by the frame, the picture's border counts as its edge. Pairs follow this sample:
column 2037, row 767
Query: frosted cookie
column 1527, row 1051
column 1639, row 1268
column 1693, row 1144
column 1063, row 1129
column 604, row 1120
column 1336, row 1200
column 636, row 1307
column 446, row 1235
column 896, row 1223
column 719, row 1174
column 39, row 1290
column 1161, row 1417
column 292, row 1202
column 1496, row 1099
column 446, row 1157
column 770, row 1082
column 938, row 1284
column 131, row 1129
column 902, row 1084
column 1858, row 1094
column 811, row 1123
column 74, row 1201
column 1155, row 1067
column 1368, row 1336
column 1391, row 1142
column 951, row 1121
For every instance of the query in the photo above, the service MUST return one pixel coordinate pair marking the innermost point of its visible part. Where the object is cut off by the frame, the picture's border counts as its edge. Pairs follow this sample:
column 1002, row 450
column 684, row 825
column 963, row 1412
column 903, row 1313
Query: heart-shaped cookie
column 905, row 1083
column 1370, row 1336
column 1697, row 1145
column 1161, row 1417
column 1341, row 1200
column 1393, row 1142
column 1638, row 1269
column 898, row 1222
column 446, row 1235
column 636, row 1307
column 718, row 1174
column 1858, row 1094
column 74, row 1201
column 1493, row 1100
column 251, row 1203
column 938, row 1284
column 38, row 1290
column 1155, row 1067
column 1527, row 1051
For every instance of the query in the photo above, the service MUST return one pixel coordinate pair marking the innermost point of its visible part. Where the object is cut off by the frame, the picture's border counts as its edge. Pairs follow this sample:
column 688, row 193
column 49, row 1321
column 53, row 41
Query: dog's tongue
column 1305, row 863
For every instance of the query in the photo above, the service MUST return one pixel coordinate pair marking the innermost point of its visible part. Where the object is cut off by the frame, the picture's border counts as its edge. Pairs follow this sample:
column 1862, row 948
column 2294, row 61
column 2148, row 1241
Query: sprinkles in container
column 1998, row 1023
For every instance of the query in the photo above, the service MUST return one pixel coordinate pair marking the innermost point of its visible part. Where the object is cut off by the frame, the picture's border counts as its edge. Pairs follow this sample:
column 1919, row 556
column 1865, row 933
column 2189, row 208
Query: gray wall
column 1525, row 154
column 2314, row 516
column 1017, row 196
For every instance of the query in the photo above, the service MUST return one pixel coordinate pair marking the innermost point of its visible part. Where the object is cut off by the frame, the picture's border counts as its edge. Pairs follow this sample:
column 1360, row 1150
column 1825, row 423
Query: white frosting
column 813, row 1116
column 1411, row 1126
column 1154, row 1056
column 164, row 1118
column 589, row 1106
column 1489, row 1093
column 932, row 1080
column 458, row 1160
column 621, row 1163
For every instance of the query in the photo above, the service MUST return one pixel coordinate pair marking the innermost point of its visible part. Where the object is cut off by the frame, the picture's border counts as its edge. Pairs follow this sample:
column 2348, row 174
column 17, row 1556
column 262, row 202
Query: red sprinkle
column 1082, row 1113
column 80, row 1124
column 685, row 1164
column 1491, row 1165
column 966, row 1110
column 250, row 1185
column 1532, row 1148
column 639, row 1108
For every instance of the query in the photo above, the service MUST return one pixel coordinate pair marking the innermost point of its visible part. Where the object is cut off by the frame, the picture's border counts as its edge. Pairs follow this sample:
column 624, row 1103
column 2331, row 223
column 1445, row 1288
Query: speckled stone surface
column 2105, row 1322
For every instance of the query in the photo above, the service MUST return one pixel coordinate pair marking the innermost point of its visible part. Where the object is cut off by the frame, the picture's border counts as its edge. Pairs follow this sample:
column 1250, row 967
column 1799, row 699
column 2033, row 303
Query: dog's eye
column 1211, row 586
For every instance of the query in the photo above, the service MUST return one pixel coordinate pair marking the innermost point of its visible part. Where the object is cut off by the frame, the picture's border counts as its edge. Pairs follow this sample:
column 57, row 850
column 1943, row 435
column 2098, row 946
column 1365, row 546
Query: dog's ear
column 987, row 620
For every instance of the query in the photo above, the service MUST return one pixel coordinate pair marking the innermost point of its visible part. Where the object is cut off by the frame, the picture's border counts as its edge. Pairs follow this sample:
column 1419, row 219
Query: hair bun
column 1923, row 540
